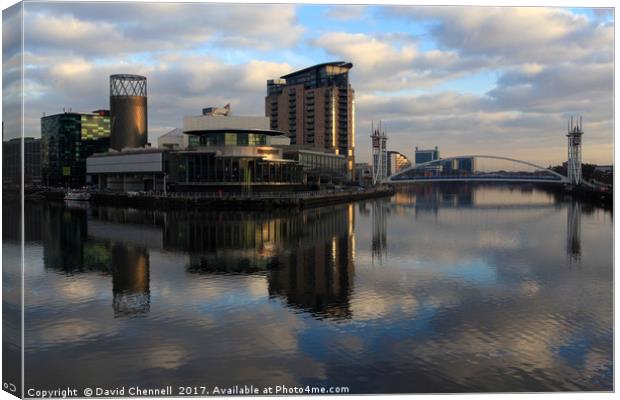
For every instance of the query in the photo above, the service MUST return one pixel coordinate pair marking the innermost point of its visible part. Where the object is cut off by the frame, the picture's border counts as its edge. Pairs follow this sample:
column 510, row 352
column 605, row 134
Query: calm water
column 438, row 289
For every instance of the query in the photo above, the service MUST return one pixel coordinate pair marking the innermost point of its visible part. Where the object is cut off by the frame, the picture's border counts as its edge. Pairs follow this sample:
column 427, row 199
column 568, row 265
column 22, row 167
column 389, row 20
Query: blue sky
column 467, row 79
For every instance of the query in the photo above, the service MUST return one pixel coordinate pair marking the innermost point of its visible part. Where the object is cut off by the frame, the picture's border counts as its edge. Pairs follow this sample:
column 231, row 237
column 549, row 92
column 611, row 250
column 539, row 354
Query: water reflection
column 130, row 280
column 466, row 288
column 573, row 233
column 316, row 273
column 430, row 199
column 307, row 257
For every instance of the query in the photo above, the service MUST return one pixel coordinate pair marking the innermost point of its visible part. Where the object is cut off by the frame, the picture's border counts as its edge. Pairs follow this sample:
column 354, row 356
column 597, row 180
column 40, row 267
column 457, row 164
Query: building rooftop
column 100, row 113
column 343, row 64
column 176, row 132
column 138, row 150
column 267, row 132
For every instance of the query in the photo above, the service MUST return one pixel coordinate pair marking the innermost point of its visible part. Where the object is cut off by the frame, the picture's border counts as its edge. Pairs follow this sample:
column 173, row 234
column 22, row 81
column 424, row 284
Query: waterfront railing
column 246, row 195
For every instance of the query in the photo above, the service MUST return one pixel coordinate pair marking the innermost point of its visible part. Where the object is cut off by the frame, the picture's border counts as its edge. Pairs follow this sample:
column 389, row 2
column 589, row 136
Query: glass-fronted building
column 424, row 156
column 218, row 153
column 318, row 167
column 231, row 157
column 67, row 139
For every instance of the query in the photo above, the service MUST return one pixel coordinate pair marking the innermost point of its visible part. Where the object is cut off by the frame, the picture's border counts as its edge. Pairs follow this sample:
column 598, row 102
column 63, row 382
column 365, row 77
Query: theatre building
column 219, row 152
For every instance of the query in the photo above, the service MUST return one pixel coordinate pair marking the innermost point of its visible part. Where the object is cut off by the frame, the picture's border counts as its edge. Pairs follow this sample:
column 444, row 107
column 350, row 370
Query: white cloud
column 386, row 63
column 112, row 29
column 546, row 63
column 514, row 34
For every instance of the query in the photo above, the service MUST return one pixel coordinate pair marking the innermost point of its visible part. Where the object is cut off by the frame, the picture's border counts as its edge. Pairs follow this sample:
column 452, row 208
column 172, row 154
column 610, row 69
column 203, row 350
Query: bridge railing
column 477, row 167
column 477, row 177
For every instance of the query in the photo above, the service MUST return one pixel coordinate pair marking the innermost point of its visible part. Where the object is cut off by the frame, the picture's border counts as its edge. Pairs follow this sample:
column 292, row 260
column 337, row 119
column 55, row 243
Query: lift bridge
column 478, row 168
column 482, row 168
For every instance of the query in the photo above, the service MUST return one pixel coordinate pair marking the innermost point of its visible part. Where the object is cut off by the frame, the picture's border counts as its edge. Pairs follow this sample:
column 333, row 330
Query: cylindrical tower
column 128, row 111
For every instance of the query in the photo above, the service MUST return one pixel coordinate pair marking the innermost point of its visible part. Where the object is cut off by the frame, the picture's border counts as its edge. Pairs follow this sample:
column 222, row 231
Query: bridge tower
column 574, row 151
column 379, row 154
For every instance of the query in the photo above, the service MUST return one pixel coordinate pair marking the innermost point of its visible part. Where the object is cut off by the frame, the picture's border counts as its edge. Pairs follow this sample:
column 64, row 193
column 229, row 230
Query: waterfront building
column 315, row 106
column 424, row 156
column 67, row 139
column 11, row 160
column 318, row 166
column 235, row 152
column 132, row 170
column 216, row 152
column 396, row 162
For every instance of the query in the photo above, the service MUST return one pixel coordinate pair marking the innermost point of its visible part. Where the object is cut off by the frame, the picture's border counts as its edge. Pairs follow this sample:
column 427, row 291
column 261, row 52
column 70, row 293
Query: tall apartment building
column 315, row 106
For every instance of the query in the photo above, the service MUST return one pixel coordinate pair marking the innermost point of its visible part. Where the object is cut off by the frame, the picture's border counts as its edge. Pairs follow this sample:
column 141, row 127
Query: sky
column 471, row 80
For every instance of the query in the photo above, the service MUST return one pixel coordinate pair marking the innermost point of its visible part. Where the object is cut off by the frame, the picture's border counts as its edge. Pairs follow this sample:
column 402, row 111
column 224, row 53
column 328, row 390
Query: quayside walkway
column 230, row 200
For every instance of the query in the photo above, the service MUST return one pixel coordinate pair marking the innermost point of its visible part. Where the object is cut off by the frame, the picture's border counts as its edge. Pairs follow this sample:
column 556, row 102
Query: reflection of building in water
column 573, row 232
column 380, row 209
column 122, row 239
column 75, row 243
column 130, row 280
column 215, row 231
column 430, row 198
column 64, row 236
column 230, row 242
column 316, row 272
column 12, row 222
column 306, row 256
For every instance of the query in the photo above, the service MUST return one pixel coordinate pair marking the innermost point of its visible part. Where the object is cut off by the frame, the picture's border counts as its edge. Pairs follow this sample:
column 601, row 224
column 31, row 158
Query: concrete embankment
column 259, row 201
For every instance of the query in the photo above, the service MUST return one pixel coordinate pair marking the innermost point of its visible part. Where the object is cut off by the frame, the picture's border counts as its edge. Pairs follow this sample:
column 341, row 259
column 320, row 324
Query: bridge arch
column 408, row 175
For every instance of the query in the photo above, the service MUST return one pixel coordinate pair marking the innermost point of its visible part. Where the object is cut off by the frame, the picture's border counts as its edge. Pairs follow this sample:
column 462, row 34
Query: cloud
column 419, row 76
column 178, row 85
column 565, row 88
column 548, row 63
column 514, row 34
column 112, row 29
column 500, row 123
column 391, row 62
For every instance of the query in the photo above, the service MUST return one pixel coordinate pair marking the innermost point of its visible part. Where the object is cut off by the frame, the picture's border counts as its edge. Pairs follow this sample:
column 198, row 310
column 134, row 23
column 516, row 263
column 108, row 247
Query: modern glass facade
column 319, row 167
column 95, row 127
column 228, row 139
column 424, row 156
column 207, row 168
column 231, row 157
column 67, row 139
